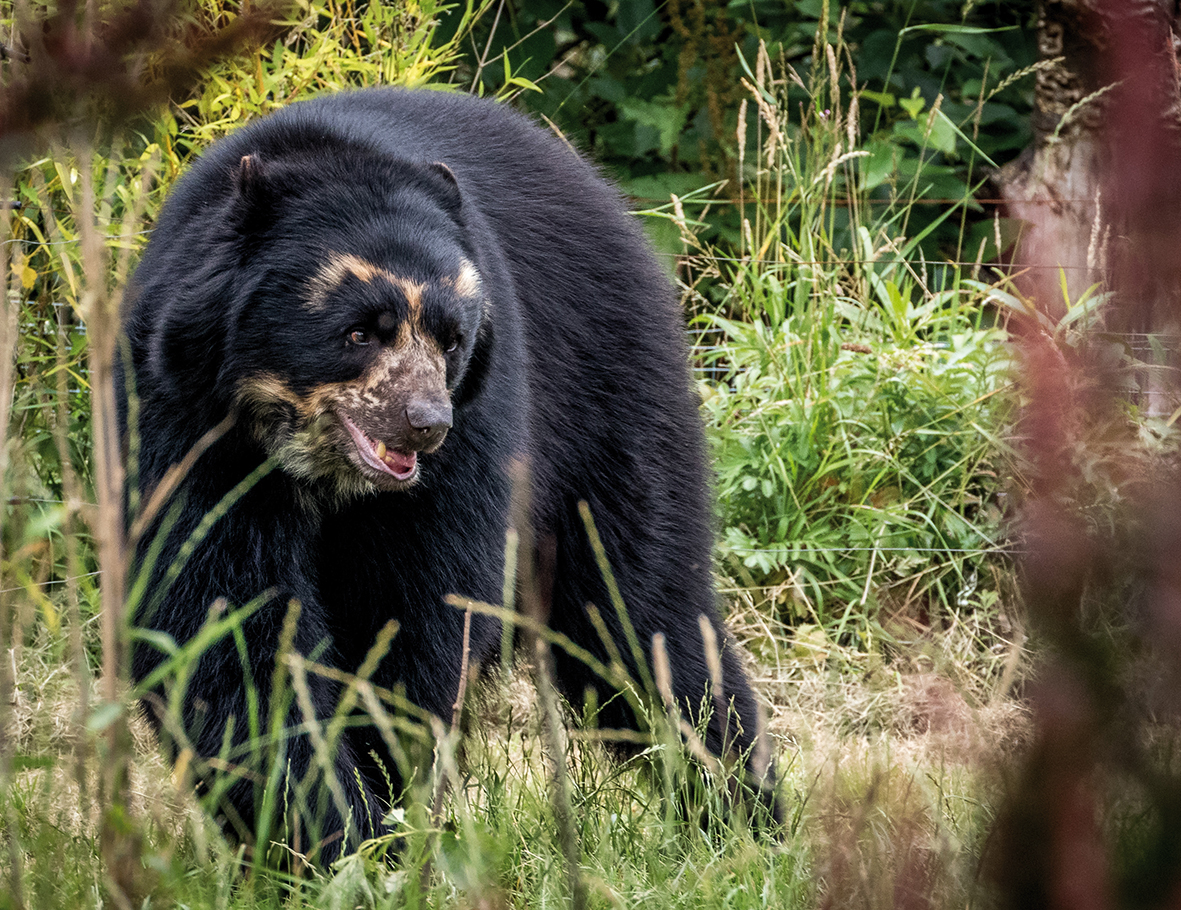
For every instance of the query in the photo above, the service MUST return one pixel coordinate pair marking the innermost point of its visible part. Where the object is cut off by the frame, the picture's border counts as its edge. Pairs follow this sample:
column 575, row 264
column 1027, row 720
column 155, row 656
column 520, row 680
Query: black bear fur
column 499, row 283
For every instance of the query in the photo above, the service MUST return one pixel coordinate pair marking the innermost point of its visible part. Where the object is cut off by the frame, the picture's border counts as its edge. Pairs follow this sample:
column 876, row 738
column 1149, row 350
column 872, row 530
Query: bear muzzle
column 393, row 451
column 429, row 422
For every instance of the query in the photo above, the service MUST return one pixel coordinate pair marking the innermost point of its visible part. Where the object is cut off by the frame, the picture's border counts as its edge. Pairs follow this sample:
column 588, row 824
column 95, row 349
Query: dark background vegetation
column 652, row 91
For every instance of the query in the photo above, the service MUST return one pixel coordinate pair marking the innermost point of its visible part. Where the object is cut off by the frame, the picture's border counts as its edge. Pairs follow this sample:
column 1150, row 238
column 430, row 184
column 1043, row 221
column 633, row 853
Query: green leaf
column 953, row 29
column 885, row 99
column 914, row 104
column 942, row 134
column 878, row 166
column 103, row 716
column 667, row 118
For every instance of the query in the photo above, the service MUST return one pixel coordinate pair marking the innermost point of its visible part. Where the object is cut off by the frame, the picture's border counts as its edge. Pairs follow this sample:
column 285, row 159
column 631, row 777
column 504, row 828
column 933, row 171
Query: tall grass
column 857, row 395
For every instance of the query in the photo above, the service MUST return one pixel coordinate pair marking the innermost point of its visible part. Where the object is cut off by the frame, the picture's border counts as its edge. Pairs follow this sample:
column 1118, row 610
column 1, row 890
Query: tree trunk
column 1097, row 56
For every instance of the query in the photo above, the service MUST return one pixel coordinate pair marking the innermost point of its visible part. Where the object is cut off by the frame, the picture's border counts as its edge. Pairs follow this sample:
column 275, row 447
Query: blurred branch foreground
column 1094, row 818
column 72, row 77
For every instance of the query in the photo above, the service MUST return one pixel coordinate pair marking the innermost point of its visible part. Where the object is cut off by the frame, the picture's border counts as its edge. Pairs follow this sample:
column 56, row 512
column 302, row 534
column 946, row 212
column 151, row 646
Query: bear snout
column 429, row 422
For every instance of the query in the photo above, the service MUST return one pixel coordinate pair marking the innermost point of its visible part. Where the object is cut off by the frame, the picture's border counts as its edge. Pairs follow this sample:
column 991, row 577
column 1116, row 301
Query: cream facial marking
column 412, row 362
column 467, row 283
column 346, row 431
column 341, row 266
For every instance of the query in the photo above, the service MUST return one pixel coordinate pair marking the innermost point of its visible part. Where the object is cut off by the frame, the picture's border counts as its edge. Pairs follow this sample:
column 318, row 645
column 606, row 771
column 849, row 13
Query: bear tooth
column 380, row 451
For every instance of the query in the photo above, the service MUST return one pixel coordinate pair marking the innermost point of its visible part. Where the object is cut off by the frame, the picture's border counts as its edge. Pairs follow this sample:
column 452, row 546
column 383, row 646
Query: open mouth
column 399, row 465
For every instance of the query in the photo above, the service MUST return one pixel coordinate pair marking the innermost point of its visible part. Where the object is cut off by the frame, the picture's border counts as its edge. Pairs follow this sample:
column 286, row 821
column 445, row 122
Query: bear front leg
column 249, row 695
column 254, row 716
column 660, row 595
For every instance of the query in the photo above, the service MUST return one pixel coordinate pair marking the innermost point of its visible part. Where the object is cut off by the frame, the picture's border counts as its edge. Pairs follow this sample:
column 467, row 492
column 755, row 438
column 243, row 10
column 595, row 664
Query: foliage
column 327, row 45
column 857, row 470
column 495, row 846
column 652, row 90
column 857, row 405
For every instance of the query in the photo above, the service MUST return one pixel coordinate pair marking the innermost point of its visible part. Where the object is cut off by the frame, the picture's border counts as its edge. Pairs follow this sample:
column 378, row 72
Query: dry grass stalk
column 320, row 747
column 534, row 585
column 445, row 745
column 100, row 308
column 9, row 627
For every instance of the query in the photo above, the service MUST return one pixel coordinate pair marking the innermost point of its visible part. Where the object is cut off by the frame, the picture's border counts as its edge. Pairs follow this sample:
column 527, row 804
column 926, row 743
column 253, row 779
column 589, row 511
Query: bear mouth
column 380, row 457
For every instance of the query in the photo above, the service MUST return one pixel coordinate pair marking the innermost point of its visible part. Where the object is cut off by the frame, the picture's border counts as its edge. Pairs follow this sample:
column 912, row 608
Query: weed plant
column 856, row 394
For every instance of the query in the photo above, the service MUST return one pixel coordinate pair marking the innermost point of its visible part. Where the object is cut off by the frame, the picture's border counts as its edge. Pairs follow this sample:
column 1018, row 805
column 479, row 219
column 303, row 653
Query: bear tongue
column 401, row 463
column 377, row 455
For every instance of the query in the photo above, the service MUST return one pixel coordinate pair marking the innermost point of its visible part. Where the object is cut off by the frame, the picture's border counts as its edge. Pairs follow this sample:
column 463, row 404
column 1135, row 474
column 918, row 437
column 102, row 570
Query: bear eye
column 359, row 336
column 453, row 346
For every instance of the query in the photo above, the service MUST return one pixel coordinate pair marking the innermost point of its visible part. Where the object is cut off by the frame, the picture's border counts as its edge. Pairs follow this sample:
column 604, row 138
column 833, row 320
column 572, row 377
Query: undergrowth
column 857, row 396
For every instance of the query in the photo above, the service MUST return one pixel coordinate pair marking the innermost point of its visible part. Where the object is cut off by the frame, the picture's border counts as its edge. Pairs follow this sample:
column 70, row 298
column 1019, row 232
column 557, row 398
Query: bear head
column 366, row 317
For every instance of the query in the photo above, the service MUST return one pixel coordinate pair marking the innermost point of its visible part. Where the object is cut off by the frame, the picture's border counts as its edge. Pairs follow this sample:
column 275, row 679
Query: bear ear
column 250, row 175
column 443, row 178
column 252, row 193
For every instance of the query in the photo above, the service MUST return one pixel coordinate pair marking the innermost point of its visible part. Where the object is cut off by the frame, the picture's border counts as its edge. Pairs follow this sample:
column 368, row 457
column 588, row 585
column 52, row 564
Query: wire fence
column 783, row 549
column 52, row 582
column 1006, row 267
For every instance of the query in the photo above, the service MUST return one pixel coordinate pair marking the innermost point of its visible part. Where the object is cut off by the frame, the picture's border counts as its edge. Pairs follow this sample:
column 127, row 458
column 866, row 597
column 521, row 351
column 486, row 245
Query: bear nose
column 429, row 422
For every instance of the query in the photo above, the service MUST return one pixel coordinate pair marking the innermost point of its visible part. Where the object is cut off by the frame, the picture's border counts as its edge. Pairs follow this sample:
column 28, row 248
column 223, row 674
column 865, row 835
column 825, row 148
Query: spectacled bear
column 353, row 317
